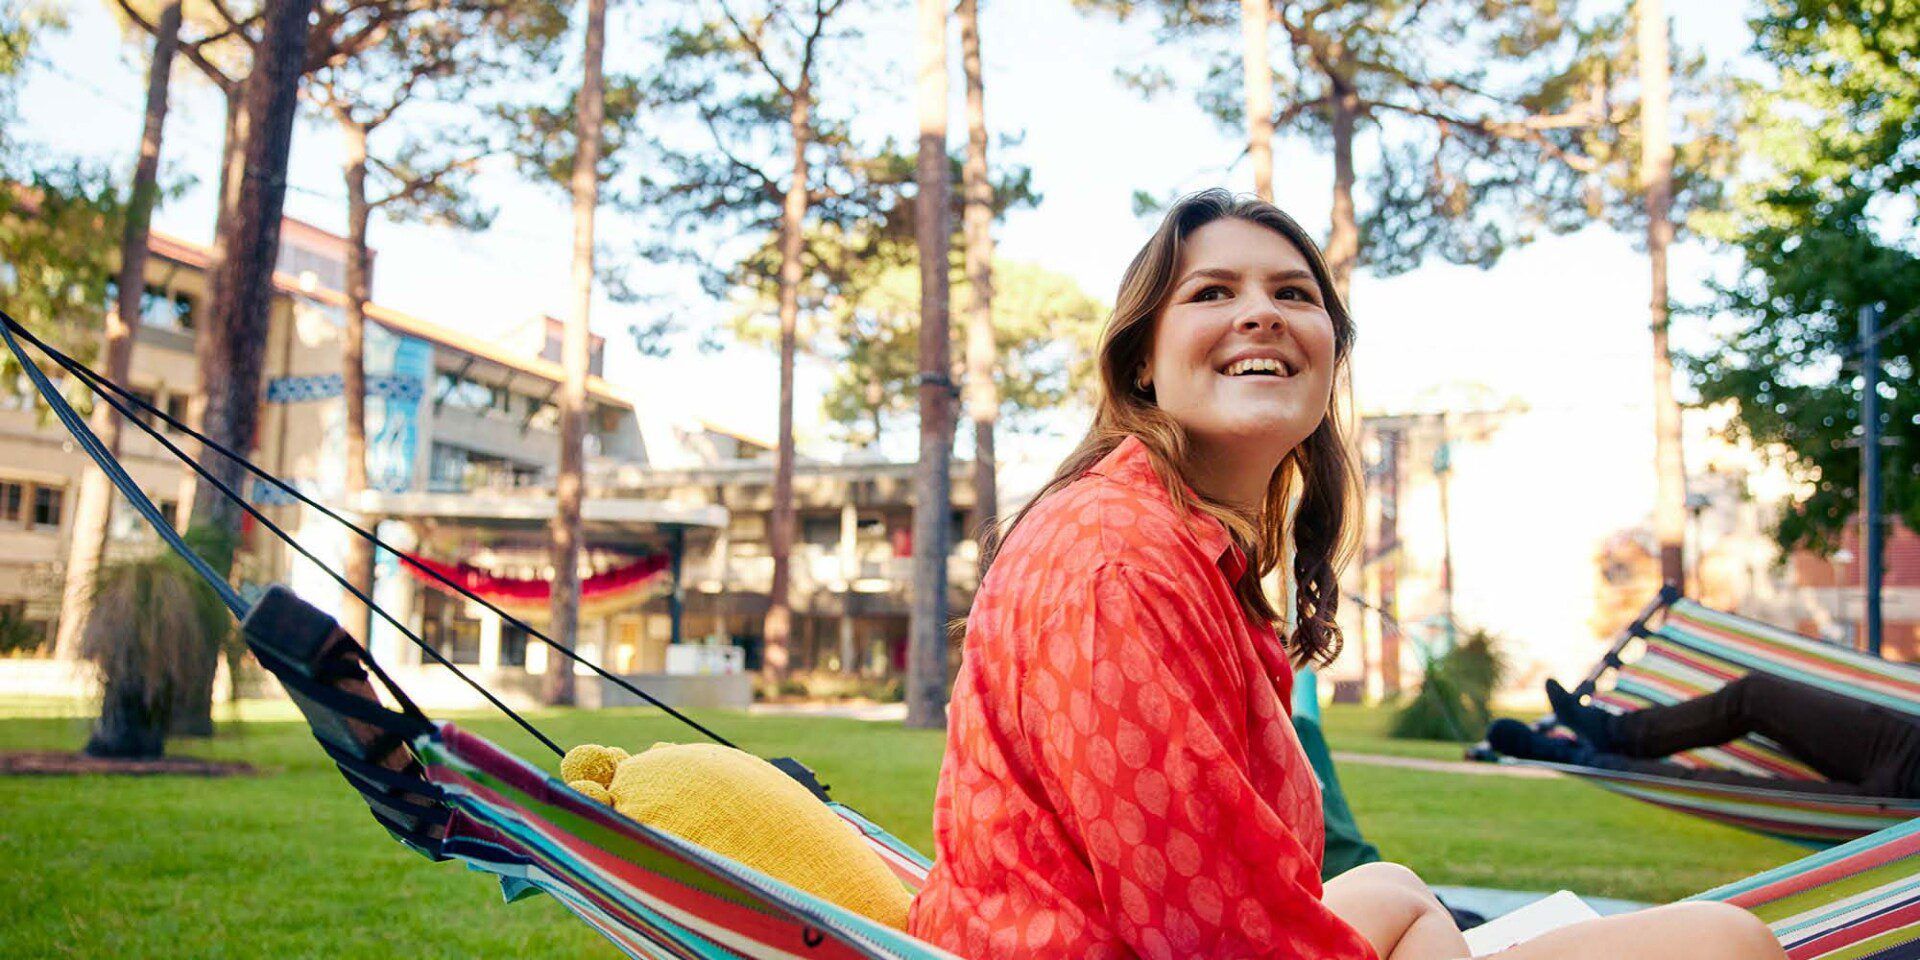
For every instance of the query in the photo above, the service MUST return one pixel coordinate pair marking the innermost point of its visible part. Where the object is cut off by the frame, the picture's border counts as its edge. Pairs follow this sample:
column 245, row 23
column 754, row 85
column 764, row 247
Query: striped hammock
column 451, row 795
column 655, row 896
column 1857, row 901
column 1694, row 651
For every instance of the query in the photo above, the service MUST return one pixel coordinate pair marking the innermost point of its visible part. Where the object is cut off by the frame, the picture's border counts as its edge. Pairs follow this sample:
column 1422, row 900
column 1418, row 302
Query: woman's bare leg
column 1681, row 931
column 1393, row 909
column 1396, row 912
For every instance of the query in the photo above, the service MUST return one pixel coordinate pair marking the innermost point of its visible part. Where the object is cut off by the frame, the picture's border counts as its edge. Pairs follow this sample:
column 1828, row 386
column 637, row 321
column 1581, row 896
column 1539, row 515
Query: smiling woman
column 1121, row 778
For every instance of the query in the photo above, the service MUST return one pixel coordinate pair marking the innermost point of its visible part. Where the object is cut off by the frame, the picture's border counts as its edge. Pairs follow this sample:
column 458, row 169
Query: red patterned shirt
column 1122, row 778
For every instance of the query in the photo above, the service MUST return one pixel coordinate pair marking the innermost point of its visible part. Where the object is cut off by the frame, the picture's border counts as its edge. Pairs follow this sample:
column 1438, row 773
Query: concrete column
column 676, row 595
column 849, row 572
column 489, row 640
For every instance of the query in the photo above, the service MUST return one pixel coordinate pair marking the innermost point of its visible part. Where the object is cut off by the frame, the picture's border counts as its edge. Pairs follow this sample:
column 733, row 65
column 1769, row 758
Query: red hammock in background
column 530, row 599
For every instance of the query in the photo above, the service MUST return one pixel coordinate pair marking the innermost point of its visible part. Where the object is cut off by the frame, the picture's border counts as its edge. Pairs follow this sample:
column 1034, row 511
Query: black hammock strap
column 116, row 398
column 124, row 402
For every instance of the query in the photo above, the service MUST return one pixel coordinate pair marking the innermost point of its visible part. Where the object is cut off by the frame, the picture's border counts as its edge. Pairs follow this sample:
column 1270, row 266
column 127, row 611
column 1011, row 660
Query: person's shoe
column 1516, row 739
column 1591, row 723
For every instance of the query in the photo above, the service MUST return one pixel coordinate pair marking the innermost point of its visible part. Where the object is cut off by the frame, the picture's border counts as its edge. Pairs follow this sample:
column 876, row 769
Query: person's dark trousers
column 1863, row 749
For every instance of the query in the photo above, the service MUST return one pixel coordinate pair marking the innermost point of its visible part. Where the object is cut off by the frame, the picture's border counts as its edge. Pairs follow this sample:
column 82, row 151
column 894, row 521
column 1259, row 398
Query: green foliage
column 1825, row 224
column 451, row 56
column 826, row 685
column 153, row 630
column 867, row 321
column 54, row 210
column 730, row 86
column 1453, row 701
column 17, row 634
column 1495, row 123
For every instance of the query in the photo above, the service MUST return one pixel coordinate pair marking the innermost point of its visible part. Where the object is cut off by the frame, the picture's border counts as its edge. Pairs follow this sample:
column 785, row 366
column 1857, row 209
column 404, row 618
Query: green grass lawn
column 289, row 863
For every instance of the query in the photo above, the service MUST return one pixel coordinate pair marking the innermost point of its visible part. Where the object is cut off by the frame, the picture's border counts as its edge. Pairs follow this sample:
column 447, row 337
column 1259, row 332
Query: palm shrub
column 153, row 632
column 17, row 633
column 1455, row 694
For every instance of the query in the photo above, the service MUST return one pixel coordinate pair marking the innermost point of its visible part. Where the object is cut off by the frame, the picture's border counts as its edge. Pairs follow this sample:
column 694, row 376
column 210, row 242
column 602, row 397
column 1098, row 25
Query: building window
column 147, row 397
column 13, row 499
column 460, row 393
column 166, row 311
column 447, row 629
column 46, row 507
column 454, row 469
column 820, row 531
column 513, row 646
column 177, row 408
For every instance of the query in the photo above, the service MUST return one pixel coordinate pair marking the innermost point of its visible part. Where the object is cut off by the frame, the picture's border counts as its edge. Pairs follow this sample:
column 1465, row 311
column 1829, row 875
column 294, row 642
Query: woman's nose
column 1265, row 315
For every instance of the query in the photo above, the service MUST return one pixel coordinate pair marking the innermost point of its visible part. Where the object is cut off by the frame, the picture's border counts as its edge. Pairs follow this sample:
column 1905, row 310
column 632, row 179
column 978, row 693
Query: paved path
column 1445, row 766
column 894, row 712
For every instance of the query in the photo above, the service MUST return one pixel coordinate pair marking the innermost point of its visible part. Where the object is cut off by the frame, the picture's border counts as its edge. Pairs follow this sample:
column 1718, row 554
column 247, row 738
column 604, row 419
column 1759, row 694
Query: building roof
column 200, row 257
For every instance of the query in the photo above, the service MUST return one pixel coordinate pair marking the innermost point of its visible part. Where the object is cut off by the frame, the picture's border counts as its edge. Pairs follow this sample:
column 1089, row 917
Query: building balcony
column 814, row 568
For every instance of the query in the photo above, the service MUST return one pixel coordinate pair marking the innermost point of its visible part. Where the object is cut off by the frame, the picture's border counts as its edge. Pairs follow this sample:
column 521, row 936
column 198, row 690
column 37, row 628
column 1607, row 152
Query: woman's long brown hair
column 1323, row 464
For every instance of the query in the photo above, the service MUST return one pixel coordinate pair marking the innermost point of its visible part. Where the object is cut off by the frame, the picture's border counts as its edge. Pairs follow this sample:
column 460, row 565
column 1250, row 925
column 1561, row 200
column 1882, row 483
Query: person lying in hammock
column 1121, row 778
column 1861, row 748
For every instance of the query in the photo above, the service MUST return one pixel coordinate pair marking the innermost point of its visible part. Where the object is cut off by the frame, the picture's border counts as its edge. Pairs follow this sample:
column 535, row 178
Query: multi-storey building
column 462, row 441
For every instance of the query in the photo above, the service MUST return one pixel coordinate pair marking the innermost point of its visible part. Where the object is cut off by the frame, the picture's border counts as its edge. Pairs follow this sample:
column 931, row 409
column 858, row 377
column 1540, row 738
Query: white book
column 1548, row 913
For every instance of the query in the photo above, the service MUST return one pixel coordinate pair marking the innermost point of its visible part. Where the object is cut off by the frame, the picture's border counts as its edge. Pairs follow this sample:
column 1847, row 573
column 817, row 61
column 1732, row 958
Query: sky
column 1561, row 322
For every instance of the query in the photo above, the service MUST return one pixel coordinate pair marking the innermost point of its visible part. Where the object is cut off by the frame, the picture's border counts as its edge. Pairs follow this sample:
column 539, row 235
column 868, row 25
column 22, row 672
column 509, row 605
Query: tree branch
column 192, row 51
column 767, row 183
column 752, row 40
column 1525, row 131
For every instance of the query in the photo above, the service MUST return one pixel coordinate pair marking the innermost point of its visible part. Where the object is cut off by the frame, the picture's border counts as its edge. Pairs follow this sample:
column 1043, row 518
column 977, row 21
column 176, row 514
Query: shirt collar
column 1130, row 465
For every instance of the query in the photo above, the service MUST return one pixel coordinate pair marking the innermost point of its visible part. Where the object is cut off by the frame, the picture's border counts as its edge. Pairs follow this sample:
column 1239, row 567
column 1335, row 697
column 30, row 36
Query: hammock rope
column 122, row 400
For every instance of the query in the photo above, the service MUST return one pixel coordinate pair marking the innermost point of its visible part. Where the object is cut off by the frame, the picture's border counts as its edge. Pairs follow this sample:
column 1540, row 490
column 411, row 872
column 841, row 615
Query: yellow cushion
column 744, row 808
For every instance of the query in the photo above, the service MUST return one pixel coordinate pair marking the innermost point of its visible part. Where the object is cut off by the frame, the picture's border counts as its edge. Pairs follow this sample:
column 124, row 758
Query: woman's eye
column 1294, row 293
column 1214, row 292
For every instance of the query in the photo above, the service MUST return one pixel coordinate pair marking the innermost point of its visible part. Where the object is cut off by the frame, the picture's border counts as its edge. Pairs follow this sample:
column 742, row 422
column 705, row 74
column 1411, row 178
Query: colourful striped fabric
column 1694, row 651
column 905, row 862
column 1860, row 901
column 659, row 898
column 651, row 893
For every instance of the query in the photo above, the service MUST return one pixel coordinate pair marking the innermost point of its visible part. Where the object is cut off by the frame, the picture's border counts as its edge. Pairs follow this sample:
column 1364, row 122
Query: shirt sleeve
column 1146, row 757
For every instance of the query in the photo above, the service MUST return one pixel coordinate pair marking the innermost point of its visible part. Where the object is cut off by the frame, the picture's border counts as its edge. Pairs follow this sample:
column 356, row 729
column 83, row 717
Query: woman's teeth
column 1258, row 366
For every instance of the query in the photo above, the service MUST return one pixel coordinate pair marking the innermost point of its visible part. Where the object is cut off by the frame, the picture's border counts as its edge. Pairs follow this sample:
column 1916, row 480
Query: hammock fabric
column 1694, row 651
column 1858, row 901
column 621, row 586
column 449, row 794
column 657, row 897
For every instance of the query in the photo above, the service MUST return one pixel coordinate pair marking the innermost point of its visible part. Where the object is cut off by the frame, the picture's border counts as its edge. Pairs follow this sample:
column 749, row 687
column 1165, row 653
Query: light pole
column 1870, row 468
column 1443, row 465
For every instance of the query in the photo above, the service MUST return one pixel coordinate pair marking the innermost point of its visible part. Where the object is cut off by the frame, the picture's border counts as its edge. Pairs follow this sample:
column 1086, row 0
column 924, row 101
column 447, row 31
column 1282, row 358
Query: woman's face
column 1243, row 291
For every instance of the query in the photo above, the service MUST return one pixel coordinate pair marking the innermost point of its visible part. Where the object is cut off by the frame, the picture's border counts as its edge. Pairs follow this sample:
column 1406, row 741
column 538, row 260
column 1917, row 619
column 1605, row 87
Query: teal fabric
column 1346, row 848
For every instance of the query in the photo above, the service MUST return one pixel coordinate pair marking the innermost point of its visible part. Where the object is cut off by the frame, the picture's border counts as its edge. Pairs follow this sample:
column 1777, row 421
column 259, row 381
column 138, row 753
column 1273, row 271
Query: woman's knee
column 1733, row 931
column 1387, row 874
column 1383, row 901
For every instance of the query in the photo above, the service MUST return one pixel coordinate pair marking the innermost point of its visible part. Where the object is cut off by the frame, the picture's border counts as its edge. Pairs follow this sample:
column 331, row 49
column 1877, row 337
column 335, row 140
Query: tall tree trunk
column 575, row 350
column 926, row 691
column 1257, row 75
column 1343, row 238
column 983, row 391
column 232, row 159
column 232, row 345
column 94, row 506
column 1656, row 181
column 777, row 654
column 353, row 373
